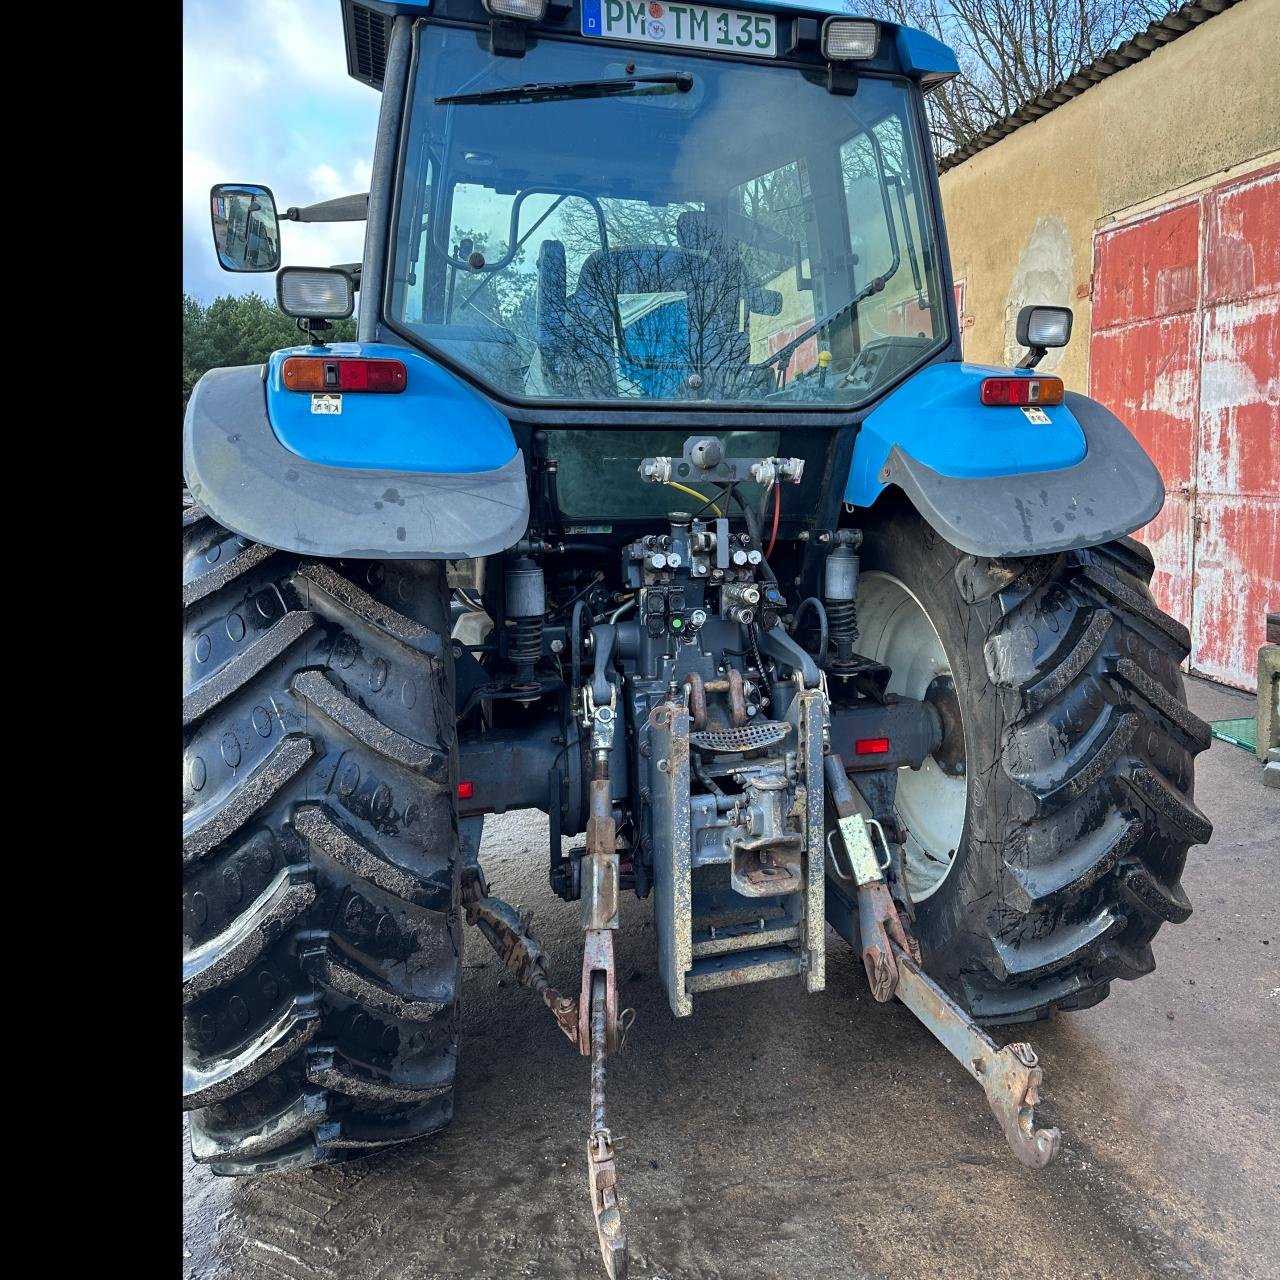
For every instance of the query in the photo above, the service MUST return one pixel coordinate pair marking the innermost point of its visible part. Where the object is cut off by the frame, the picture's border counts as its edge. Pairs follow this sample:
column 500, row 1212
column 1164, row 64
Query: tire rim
column 895, row 629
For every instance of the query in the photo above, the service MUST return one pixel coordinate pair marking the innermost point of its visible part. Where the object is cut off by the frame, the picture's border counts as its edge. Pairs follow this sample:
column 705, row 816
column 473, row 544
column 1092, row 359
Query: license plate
column 690, row 26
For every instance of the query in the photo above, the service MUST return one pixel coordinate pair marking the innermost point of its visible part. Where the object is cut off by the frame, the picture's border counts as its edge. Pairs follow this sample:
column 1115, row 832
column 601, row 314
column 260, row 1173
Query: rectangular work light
column 1044, row 326
column 529, row 10
column 845, row 41
column 315, row 293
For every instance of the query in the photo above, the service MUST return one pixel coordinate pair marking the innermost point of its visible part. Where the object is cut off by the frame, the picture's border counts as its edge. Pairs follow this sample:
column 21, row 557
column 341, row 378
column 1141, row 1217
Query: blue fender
column 992, row 481
column 437, row 423
column 431, row 472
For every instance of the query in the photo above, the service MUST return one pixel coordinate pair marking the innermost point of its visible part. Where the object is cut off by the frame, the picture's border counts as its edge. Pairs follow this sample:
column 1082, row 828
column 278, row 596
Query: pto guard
column 994, row 483
column 431, row 473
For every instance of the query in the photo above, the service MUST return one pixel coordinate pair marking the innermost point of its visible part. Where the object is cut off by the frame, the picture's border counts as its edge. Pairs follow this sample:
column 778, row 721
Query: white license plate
column 690, row 26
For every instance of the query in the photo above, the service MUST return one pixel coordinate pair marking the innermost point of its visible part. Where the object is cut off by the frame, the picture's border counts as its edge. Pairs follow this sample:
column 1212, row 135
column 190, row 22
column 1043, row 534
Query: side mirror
column 246, row 232
column 1040, row 328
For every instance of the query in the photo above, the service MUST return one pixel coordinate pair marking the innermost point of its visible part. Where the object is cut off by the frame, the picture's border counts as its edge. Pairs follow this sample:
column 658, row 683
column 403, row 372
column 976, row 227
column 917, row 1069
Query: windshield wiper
column 553, row 91
column 872, row 286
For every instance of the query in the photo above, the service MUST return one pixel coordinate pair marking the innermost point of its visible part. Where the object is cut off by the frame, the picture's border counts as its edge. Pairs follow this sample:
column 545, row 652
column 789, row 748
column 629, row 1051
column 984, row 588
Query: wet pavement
column 775, row 1134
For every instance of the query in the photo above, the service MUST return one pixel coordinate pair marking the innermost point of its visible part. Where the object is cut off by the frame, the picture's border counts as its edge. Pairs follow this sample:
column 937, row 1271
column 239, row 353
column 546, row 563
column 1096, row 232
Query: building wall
column 1150, row 205
column 1021, row 215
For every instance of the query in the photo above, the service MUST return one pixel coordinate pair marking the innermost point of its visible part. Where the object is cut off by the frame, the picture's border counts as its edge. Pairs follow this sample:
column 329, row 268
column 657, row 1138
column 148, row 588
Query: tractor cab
column 656, row 202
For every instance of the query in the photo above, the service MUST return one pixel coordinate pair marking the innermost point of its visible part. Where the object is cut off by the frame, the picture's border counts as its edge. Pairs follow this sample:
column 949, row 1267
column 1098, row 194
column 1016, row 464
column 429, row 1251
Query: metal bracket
column 865, row 860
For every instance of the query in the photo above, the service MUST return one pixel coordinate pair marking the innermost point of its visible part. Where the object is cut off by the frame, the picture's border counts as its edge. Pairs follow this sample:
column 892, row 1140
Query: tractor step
column 719, row 941
column 711, row 973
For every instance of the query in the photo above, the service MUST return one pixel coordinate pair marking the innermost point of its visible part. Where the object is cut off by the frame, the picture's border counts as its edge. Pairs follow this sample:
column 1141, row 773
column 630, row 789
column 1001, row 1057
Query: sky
column 266, row 98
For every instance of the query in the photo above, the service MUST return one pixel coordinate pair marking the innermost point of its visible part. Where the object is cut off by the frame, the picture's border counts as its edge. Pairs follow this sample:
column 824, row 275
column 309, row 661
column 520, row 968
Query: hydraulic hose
column 812, row 602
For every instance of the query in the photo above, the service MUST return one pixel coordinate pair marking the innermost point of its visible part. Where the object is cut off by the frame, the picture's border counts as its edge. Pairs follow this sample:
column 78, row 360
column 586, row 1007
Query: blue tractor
column 655, row 495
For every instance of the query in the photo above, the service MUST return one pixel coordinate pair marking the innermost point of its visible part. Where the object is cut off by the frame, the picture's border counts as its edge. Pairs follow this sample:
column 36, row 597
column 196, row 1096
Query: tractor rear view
column 653, row 495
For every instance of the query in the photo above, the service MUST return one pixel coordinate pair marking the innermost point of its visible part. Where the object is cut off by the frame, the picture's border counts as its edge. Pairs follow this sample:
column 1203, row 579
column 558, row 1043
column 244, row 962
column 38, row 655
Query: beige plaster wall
column 1021, row 215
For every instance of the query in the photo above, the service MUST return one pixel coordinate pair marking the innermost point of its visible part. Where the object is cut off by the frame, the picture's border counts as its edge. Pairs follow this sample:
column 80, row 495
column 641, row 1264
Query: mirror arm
column 343, row 209
column 1033, row 357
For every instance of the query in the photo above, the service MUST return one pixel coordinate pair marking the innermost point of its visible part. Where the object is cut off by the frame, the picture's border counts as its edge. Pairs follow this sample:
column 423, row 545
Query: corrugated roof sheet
column 1135, row 49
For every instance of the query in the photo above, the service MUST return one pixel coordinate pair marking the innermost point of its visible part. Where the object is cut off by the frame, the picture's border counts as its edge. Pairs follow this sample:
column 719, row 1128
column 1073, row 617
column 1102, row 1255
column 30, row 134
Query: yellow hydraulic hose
column 693, row 493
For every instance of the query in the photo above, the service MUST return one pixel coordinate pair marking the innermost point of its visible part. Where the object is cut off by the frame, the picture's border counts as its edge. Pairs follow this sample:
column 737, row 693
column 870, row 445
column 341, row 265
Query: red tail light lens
column 466, row 790
column 1022, row 391
column 871, row 746
column 322, row 373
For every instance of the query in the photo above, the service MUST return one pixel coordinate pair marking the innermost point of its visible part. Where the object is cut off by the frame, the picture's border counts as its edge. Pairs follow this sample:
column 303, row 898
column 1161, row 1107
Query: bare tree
column 1010, row 51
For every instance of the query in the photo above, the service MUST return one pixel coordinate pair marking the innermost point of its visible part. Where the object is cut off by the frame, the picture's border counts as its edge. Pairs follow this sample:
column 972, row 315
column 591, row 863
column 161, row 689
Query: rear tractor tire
column 320, row 853
column 1046, row 838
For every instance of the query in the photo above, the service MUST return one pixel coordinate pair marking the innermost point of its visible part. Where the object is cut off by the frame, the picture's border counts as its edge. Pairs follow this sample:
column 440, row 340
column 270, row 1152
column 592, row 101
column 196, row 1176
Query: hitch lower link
column 592, row 1021
column 601, row 1030
column 1010, row 1077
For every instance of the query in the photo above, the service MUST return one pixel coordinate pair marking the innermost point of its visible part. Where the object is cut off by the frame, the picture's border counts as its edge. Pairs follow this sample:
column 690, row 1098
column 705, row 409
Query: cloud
column 267, row 98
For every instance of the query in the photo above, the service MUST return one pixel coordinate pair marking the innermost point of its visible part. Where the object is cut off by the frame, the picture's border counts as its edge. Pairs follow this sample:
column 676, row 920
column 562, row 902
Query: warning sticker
column 323, row 402
column 1038, row 416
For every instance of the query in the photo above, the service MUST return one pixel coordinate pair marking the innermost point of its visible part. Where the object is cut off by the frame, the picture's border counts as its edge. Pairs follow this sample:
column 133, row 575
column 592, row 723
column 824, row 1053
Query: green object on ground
column 1242, row 732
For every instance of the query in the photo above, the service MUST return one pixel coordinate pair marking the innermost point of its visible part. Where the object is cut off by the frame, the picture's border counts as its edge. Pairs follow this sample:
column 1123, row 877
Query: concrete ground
column 775, row 1134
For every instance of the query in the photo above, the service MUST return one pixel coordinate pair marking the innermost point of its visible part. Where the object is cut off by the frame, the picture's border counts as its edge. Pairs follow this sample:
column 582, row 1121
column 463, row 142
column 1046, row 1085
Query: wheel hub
column 941, row 696
column 930, row 802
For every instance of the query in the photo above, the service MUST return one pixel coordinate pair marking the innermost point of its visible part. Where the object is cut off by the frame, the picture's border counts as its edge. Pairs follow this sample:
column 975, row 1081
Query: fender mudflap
column 1113, row 490
column 241, row 474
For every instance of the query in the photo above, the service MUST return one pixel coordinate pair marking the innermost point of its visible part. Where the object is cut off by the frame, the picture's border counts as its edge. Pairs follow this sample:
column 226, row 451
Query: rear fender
column 992, row 481
column 430, row 473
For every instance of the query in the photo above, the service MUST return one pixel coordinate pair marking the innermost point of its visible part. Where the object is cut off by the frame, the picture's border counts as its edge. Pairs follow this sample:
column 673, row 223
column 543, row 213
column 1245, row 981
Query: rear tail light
column 1022, row 391
column 321, row 373
column 466, row 790
column 870, row 746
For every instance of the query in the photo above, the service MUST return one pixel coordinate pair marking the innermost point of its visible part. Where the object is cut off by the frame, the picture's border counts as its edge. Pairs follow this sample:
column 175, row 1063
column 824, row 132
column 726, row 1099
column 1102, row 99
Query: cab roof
column 367, row 31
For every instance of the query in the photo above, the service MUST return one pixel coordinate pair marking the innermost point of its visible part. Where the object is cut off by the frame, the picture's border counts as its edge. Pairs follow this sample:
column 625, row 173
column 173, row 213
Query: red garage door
column 1186, row 349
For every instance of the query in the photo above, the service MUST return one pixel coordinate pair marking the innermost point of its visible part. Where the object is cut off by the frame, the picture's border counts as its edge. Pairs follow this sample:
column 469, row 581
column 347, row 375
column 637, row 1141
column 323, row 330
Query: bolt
column 824, row 536
column 804, row 535
column 557, row 646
